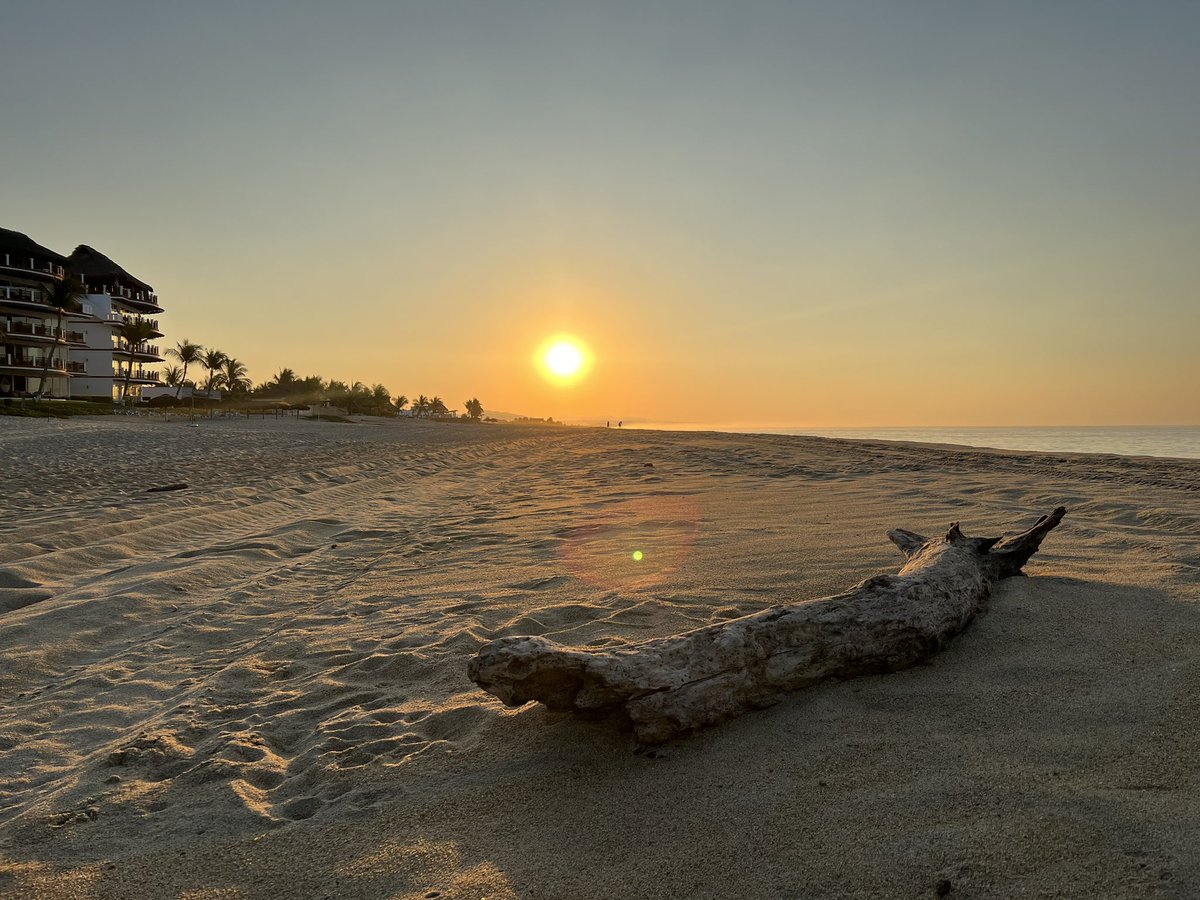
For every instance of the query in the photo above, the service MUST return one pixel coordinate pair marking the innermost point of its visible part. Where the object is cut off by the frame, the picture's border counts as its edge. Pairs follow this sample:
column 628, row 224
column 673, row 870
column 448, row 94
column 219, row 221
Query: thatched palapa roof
column 95, row 268
column 16, row 242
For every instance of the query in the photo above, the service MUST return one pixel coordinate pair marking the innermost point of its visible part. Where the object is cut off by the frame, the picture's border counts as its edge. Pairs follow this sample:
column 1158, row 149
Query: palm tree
column 234, row 376
column 437, row 407
column 474, row 408
column 62, row 296
column 400, row 402
column 283, row 384
column 311, row 384
column 381, row 400
column 420, row 406
column 134, row 333
column 338, row 393
column 173, row 377
column 212, row 360
column 360, row 395
column 186, row 352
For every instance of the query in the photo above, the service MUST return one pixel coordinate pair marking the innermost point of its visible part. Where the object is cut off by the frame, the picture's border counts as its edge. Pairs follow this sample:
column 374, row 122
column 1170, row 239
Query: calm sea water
column 1176, row 442
column 1173, row 442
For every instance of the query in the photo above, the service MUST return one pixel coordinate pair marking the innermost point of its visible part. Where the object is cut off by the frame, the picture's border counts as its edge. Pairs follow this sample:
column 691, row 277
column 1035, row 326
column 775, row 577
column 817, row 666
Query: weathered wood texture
column 670, row 686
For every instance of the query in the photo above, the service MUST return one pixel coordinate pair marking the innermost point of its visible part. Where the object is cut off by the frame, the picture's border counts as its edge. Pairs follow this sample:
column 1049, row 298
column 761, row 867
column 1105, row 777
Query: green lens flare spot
column 638, row 555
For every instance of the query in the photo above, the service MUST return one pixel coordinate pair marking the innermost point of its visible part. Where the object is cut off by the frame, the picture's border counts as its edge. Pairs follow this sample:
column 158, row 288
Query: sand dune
column 256, row 686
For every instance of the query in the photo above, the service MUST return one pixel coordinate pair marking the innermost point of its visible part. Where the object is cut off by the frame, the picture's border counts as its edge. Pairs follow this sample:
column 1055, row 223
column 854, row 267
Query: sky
column 834, row 214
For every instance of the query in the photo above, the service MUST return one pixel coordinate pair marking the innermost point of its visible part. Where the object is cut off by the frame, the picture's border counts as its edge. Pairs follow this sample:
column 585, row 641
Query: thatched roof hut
column 22, row 245
column 93, row 267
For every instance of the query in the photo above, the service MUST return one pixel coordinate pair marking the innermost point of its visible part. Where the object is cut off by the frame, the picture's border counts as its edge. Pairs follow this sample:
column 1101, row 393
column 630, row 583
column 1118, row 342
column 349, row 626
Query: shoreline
column 881, row 435
column 869, row 436
column 864, row 441
column 271, row 664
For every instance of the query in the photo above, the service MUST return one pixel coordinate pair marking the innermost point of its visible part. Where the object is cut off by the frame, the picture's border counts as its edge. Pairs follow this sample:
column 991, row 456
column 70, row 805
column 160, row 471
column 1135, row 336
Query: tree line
column 226, row 373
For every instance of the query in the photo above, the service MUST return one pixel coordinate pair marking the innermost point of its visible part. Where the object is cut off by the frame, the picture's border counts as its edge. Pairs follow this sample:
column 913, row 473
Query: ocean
column 1179, row 442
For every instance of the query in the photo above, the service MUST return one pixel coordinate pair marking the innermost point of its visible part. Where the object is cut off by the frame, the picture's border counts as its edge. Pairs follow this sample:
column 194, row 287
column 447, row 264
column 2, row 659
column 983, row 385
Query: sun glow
column 563, row 359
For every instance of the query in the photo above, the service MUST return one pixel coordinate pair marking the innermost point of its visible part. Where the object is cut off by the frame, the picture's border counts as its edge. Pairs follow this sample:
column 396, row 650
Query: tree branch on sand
column 670, row 686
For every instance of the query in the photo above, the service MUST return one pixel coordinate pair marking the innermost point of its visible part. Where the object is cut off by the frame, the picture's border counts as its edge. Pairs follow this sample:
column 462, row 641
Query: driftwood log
column 669, row 686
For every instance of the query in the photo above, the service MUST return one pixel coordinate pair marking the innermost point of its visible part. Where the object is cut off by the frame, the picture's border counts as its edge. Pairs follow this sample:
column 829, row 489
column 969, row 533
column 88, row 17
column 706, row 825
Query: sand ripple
column 282, row 645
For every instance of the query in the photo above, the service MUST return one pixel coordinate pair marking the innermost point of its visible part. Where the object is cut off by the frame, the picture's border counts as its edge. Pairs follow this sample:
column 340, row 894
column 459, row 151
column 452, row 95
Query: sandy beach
column 256, row 686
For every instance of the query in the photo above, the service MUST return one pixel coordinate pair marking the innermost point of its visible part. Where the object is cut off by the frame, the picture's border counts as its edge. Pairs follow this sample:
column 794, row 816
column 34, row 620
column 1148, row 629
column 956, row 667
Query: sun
column 563, row 359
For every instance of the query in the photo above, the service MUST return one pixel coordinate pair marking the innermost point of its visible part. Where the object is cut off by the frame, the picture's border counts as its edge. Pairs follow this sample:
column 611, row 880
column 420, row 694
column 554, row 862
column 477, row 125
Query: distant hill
column 501, row 415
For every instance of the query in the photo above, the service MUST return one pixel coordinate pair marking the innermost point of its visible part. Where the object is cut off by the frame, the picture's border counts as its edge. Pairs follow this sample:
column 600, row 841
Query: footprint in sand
column 302, row 808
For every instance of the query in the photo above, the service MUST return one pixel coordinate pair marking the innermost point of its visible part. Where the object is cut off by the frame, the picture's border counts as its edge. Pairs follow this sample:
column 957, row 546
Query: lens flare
column 633, row 544
column 563, row 359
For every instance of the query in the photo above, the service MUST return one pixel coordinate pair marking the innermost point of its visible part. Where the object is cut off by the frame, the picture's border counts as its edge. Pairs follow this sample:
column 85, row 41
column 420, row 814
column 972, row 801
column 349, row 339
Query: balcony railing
column 122, row 319
column 76, row 368
column 37, row 330
column 124, row 293
column 32, row 264
column 32, row 362
column 144, row 349
column 23, row 295
column 138, row 374
column 31, row 295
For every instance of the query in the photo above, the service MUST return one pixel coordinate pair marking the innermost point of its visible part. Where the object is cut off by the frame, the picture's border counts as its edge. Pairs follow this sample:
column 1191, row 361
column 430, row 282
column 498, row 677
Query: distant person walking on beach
column 620, row 423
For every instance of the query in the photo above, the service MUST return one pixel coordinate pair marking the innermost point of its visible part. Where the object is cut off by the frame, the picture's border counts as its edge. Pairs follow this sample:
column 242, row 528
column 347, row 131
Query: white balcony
column 125, row 295
column 20, row 263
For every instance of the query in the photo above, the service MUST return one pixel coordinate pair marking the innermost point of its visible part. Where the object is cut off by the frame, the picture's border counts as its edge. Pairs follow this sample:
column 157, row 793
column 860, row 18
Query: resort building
column 29, row 330
column 114, row 297
column 89, row 357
